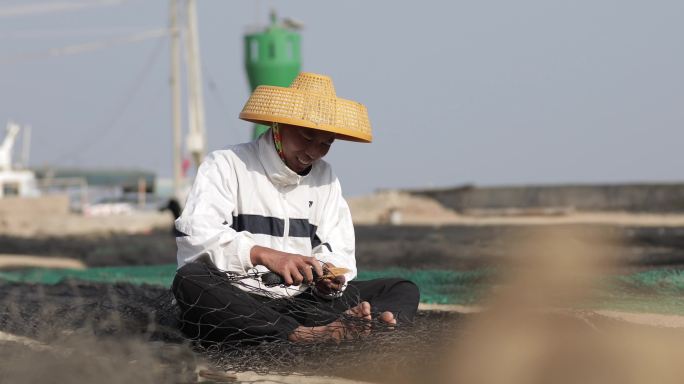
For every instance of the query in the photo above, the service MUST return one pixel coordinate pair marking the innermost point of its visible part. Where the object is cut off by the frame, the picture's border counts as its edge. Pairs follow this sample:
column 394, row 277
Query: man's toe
column 388, row 317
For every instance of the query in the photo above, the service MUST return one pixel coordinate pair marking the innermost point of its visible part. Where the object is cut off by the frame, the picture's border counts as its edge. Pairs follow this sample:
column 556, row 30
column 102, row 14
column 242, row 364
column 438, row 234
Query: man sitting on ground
column 274, row 205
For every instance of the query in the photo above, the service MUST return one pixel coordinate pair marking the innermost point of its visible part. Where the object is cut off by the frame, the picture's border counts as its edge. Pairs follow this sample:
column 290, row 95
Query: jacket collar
column 275, row 168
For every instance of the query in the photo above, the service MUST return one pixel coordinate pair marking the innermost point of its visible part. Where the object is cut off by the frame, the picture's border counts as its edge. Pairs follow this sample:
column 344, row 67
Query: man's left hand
column 328, row 286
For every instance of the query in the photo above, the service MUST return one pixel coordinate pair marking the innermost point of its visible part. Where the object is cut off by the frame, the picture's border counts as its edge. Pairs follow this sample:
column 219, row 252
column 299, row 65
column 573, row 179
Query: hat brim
column 315, row 107
column 340, row 133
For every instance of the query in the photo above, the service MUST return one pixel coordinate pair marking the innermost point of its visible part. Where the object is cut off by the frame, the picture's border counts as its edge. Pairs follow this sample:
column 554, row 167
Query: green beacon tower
column 272, row 57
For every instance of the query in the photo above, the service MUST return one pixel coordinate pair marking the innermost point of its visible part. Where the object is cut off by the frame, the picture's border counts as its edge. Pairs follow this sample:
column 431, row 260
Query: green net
column 438, row 287
column 441, row 286
column 160, row 275
column 654, row 291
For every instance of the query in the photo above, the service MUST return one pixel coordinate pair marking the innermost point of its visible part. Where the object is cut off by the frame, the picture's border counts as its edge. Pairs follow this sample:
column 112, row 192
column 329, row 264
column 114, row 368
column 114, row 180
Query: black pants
column 214, row 310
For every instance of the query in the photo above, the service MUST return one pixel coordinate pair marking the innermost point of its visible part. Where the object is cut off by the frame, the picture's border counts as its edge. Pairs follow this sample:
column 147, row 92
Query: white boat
column 14, row 182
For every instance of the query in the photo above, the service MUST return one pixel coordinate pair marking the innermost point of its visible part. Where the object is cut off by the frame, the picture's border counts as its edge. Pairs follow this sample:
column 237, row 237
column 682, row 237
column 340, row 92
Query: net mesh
column 120, row 325
column 657, row 290
column 131, row 331
column 220, row 307
column 88, row 328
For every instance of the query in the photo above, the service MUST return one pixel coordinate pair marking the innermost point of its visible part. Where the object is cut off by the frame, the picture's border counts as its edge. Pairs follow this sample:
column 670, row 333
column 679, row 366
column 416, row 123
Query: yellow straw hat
column 310, row 101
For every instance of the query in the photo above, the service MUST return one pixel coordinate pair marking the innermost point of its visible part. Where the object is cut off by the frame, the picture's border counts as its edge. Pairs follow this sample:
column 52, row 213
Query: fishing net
column 87, row 331
column 121, row 324
column 133, row 332
column 219, row 307
column 241, row 326
column 76, row 331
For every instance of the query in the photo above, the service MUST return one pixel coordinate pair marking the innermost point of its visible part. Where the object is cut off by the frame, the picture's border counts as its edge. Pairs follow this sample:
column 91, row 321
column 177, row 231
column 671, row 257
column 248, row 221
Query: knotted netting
column 91, row 329
column 220, row 307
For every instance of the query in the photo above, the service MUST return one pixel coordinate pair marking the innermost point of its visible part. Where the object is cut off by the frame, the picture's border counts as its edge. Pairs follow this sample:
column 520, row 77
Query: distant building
column 88, row 187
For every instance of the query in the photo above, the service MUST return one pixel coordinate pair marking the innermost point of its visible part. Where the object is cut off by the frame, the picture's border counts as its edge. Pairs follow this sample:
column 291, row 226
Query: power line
column 59, row 33
column 126, row 101
column 137, row 121
column 216, row 93
column 53, row 7
column 85, row 47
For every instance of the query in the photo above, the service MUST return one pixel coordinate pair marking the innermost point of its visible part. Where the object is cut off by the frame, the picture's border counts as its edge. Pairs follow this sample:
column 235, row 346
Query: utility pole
column 176, row 99
column 196, row 140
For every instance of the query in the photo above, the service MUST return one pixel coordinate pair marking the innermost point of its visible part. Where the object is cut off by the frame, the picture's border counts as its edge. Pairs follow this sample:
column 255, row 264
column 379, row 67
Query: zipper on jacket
column 286, row 219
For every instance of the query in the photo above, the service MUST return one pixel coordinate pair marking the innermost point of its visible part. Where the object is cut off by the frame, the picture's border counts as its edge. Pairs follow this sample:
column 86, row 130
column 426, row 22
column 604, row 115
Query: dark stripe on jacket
column 264, row 225
column 301, row 228
column 274, row 226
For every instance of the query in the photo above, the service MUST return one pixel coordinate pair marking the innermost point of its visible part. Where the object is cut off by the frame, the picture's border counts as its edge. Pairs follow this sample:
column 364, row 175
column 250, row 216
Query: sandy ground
column 397, row 208
column 392, row 230
column 377, row 246
column 254, row 377
column 647, row 319
column 41, row 225
column 383, row 208
column 27, row 261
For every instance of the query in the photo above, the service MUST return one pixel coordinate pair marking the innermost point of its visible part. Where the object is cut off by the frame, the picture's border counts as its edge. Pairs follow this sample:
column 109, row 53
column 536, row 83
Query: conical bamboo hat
column 310, row 101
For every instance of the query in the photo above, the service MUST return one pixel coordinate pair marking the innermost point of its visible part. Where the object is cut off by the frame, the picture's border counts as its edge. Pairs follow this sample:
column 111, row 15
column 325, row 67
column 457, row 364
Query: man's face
column 303, row 146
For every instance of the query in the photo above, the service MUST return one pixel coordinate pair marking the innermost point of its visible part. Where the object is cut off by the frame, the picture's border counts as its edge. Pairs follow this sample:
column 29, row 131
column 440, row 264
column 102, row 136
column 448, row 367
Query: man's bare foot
column 346, row 328
column 361, row 311
column 388, row 318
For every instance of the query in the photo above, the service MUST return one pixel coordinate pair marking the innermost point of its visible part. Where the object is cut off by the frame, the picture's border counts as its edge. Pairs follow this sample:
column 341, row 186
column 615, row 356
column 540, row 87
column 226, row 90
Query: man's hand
column 293, row 268
column 328, row 285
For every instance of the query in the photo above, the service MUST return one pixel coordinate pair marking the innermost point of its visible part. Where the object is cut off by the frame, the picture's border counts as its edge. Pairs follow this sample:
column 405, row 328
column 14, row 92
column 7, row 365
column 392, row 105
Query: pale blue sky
column 483, row 92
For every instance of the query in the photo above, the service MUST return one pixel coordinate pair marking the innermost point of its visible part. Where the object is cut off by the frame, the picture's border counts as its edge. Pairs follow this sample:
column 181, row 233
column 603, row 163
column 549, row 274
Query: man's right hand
column 292, row 267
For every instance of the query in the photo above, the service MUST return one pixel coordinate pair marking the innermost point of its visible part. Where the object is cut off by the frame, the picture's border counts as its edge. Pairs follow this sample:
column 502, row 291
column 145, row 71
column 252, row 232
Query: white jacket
column 245, row 196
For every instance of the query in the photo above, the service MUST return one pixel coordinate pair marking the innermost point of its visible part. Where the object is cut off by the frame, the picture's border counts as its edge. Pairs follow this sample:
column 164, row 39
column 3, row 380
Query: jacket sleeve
column 334, row 239
column 204, row 228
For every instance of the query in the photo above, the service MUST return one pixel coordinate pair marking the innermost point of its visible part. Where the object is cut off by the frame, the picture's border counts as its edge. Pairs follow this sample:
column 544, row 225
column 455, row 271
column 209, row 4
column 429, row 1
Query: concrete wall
column 626, row 197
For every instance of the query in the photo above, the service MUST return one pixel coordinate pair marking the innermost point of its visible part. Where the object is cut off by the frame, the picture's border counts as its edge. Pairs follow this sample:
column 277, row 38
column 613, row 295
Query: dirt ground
column 379, row 246
column 382, row 208
column 90, row 332
column 399, row 208
column 392, row 229
column 41, row 224
column 96, row 330
column 87, row 332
